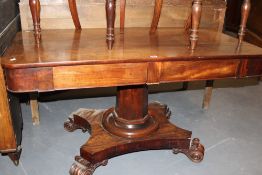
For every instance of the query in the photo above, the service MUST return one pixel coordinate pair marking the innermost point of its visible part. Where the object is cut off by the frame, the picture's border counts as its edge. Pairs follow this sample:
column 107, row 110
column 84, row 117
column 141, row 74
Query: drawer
column 104, row 75
column 254, row 67
column 29, row 79
column 198, row 70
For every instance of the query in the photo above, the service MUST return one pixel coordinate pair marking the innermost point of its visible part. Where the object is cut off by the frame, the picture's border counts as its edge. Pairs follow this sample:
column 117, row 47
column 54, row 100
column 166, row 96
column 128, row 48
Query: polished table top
column 69, row 59
column 70, row 47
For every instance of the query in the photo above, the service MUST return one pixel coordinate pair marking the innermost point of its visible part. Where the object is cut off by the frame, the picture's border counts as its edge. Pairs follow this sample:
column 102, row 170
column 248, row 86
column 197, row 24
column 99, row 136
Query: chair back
column 155, row 20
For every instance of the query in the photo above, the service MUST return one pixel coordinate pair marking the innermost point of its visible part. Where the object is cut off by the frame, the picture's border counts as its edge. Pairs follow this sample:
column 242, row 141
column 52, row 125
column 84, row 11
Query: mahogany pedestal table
column 69, row 59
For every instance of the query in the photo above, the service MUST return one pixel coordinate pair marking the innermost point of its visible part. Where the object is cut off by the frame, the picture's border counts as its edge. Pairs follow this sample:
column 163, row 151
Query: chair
column 193, row 21
column 209, row 83
column 188, row 24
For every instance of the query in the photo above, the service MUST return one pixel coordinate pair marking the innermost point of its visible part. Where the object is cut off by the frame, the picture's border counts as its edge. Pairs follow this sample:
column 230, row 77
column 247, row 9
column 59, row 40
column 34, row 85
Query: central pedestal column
column 130, row 118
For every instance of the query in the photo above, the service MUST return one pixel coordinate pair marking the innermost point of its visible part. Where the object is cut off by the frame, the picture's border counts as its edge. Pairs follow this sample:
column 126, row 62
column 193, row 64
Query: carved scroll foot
column 75, row 122
column 159, row 109
column 70, row 126
column 84, row 167
column 195, row 153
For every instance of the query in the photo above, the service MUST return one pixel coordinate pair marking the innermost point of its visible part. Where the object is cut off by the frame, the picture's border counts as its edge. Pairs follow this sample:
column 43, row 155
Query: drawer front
column 254, row 67
column 198, row 70
column 250, row 68
column 29, row 79
column 105, row 75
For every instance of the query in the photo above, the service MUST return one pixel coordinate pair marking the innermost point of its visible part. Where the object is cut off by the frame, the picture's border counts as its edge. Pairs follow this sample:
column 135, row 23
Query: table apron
column 43, row 79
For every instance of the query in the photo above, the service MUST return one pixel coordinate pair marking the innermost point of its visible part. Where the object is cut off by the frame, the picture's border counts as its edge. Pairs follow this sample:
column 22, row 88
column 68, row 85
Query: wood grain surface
column 59, row 47
column 198, row 70
column 102, row 145
column 99, row 75
column 81, row 59
column 7, row 136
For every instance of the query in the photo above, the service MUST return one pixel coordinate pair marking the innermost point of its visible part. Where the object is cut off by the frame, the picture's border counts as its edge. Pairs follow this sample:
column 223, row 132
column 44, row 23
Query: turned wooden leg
column 110, row 20
column 244, row 16
column 156, row 15
column 207, row 94
column 74, row 13
column 122, row 15
column 34, row 109
column 35, row 11
column 196, row 16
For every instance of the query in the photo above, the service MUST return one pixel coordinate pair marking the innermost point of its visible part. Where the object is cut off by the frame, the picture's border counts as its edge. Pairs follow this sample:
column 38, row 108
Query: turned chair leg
column 74, row 14
column 34, row 109
column 244, row 16
column 156, row 15
column 245, row 9
column 207, row 94
column 195, row 21
column 110, row 20
column 35, row 11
